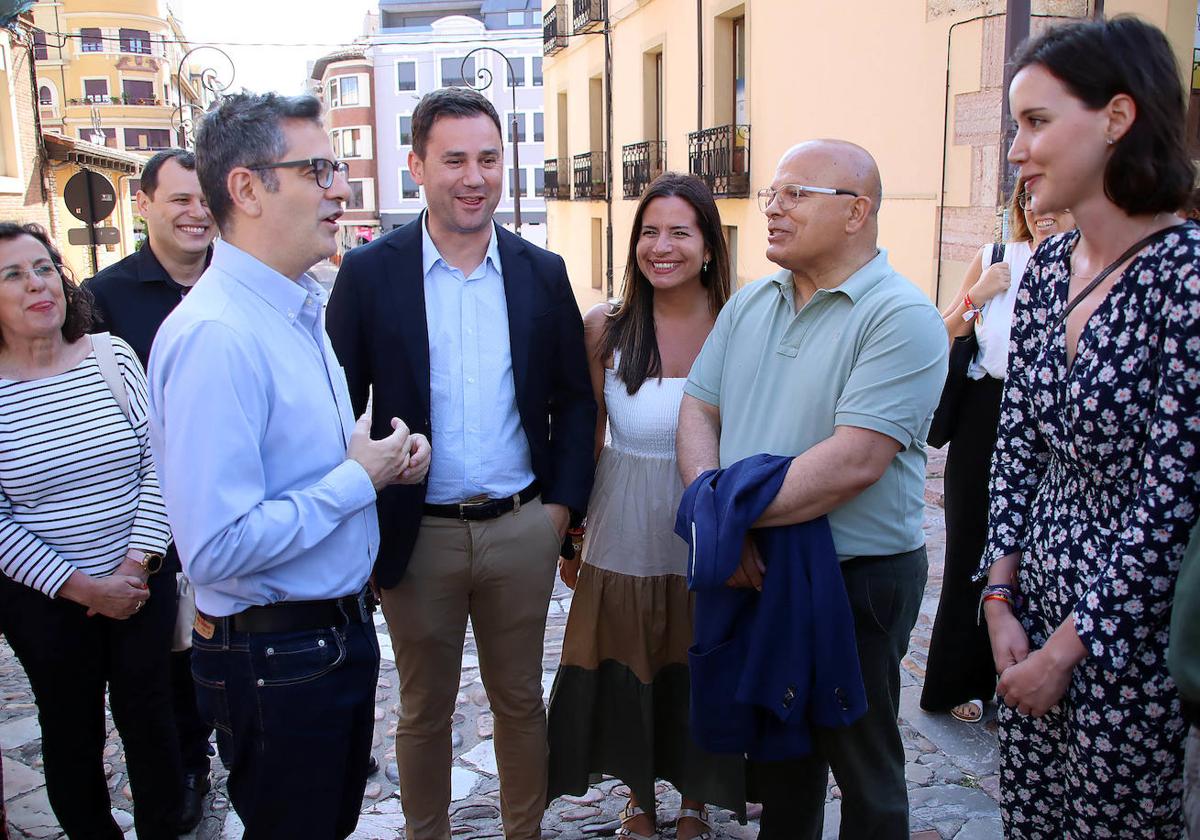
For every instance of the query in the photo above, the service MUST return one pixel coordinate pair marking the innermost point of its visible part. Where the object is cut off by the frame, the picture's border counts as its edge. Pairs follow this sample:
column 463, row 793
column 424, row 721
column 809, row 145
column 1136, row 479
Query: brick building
column 345, row 81
column 24, row 196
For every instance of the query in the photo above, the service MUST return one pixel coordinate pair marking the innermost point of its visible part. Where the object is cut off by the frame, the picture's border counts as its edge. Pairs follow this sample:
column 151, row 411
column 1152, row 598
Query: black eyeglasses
column 323, row 169
column 1024, row 200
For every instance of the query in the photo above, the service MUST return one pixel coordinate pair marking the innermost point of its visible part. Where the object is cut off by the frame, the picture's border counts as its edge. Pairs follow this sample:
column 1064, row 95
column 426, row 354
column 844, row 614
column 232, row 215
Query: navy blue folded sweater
column 767, row 666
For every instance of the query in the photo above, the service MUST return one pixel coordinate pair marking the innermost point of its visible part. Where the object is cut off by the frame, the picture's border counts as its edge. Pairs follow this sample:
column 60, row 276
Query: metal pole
column 1016, row 30
column 87, row 180
column 699, row 65
column 486, row 78
column 608, row 156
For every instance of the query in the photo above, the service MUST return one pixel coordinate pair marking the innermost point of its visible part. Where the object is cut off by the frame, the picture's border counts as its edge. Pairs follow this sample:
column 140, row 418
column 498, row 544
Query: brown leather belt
column 474, row 510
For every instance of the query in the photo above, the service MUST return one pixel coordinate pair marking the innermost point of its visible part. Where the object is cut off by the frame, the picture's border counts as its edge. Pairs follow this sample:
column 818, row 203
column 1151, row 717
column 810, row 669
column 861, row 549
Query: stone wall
column 935, row 9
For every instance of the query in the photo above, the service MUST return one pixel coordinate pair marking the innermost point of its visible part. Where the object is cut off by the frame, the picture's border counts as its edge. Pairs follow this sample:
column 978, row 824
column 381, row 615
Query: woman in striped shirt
column 81, row 526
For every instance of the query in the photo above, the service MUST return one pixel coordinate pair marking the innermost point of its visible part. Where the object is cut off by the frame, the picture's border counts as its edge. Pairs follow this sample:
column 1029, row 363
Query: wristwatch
column 150, row 561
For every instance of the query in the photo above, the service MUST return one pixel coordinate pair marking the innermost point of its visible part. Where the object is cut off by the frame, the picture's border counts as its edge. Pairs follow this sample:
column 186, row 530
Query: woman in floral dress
column 1094, row 481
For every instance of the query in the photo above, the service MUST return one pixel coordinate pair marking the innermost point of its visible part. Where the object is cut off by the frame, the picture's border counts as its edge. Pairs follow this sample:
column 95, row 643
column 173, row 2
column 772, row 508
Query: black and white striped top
column 77, row 482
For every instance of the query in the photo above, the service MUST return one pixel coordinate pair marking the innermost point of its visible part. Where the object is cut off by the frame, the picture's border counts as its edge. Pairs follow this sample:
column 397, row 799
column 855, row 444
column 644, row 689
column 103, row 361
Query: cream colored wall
column 870, row 72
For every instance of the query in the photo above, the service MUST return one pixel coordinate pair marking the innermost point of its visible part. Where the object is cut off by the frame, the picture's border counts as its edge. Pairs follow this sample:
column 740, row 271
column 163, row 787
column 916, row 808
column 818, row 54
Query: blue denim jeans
column 294, row 714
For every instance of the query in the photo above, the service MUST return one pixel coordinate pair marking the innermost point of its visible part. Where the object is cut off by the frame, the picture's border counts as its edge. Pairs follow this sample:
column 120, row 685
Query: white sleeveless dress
column 619, row 705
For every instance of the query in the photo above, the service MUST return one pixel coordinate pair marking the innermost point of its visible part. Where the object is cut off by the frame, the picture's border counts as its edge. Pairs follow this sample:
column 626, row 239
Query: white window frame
column 106, row 42
column 55, row 101
column 508, row 125
column 368, row 188
column 83, row 94
column 416, row 77
column 459, row 59
column 334, row 82
column 518, row 61
column 400, row 185
column 364, row 141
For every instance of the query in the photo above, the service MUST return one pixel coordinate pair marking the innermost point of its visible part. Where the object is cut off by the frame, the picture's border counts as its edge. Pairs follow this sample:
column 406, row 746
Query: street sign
column 89, row 196
column 104, row 236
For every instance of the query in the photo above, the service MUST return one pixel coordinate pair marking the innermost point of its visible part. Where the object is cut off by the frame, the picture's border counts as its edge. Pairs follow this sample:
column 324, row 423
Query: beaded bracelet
column 995, row 592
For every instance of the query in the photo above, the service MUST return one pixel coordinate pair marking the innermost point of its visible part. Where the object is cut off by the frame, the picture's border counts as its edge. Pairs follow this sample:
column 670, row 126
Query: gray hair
column 245, row 129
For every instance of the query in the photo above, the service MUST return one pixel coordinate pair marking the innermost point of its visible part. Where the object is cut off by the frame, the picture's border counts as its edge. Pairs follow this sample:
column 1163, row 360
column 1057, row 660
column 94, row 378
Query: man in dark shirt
column 132, row 298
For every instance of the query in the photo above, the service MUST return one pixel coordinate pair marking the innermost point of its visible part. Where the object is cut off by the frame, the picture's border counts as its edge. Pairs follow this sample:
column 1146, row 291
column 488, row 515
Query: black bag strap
column 997, row 253
column 1110, row 268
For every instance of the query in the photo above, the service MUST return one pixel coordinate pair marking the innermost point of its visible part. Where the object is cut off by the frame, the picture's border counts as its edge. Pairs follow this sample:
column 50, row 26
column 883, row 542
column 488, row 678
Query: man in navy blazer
column 471, row 336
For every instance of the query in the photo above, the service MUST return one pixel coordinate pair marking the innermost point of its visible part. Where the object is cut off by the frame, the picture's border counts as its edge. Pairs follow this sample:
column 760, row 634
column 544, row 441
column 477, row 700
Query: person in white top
column 619, row 705
column 959, row 675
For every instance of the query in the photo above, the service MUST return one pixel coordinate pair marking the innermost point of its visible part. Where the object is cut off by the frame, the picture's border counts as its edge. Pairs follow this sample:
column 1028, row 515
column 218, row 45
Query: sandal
column 702, row 816
column 969, row 712
column 629, row 813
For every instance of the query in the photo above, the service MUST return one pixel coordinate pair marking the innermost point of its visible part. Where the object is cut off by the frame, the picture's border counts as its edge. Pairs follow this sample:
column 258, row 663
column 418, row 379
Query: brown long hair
column 629, row 330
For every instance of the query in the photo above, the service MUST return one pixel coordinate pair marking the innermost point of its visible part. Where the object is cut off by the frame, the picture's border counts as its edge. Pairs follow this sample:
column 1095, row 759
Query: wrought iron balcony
column 589, row 14
column 554, row 29
column 591, row 183
column 641, row 163
column 721, row 156
column 555, row 188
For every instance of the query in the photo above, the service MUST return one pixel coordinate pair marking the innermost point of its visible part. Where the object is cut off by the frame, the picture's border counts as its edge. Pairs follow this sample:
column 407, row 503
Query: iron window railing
column 721, row 156
column 641, row 163
column 555, row 189
column 590, row 183
column 588, row 15
column 554, row 29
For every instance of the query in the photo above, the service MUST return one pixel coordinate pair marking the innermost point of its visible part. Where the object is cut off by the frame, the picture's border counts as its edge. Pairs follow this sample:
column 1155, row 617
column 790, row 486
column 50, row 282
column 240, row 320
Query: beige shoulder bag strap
column 111, row 371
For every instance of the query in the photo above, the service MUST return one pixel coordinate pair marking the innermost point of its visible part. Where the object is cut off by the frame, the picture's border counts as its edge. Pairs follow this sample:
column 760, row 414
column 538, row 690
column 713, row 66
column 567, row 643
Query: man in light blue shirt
column 270, row 485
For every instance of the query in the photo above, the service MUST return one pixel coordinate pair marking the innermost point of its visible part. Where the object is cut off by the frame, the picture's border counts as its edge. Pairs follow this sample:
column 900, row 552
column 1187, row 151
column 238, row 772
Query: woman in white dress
column 620, row 700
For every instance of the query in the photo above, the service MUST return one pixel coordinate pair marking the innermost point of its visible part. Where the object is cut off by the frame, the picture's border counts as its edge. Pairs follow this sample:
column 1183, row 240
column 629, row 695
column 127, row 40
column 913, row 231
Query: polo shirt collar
column 430, row 256
column 853, row 287
column 280, row 293
column 150, row 270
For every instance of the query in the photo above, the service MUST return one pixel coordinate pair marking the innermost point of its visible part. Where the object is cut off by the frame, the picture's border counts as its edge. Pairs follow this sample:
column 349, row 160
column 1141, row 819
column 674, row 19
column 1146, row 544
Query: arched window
column 45, row 95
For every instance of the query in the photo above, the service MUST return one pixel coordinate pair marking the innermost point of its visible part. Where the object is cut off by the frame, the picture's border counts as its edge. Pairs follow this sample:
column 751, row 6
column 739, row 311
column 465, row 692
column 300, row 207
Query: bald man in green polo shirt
column 839, row 361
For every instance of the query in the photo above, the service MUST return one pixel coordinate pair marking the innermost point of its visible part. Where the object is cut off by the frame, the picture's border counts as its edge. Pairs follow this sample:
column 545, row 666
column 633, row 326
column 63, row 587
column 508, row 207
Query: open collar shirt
column 479, row 445
column 250, row 420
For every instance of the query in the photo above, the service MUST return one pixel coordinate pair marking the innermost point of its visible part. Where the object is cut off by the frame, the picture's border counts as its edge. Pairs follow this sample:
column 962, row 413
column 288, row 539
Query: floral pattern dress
column 1094, row 480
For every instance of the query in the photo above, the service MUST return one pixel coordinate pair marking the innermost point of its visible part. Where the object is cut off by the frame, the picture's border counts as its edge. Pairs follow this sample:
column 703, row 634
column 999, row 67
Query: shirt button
column 291, row 314
column 471, row 379
column 261, row 683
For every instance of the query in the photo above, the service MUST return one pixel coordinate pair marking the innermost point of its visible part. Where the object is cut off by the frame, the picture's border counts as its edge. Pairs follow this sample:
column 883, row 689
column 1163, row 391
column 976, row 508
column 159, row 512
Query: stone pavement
column 951, row 766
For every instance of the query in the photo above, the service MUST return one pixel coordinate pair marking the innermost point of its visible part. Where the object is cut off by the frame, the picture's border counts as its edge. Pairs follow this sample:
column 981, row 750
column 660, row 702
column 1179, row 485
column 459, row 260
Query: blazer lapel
column 407, row 284
column 519, row 289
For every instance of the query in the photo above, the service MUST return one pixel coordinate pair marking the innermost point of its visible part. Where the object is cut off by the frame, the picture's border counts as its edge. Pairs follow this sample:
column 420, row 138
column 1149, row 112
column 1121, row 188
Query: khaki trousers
column 500, row 573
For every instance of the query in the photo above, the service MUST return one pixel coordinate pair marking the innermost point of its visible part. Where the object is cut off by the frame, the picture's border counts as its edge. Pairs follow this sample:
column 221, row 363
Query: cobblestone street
column 951, row 766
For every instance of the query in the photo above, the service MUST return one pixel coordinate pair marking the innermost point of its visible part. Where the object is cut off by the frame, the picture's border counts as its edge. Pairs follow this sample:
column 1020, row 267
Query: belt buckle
column 474, row 502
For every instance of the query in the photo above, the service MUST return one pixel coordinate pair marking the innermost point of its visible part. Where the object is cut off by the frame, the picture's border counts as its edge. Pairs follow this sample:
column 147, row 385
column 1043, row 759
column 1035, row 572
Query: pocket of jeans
column 208, row 673
column 280, row 659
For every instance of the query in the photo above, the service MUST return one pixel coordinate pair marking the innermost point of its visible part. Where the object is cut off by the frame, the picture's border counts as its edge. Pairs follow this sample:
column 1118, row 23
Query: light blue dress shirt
column 479, row 445
column 249, row 421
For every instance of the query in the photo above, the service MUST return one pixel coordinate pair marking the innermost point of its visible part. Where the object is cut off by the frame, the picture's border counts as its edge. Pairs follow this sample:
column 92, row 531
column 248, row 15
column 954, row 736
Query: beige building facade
column 108, row 73
column 724, row 87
